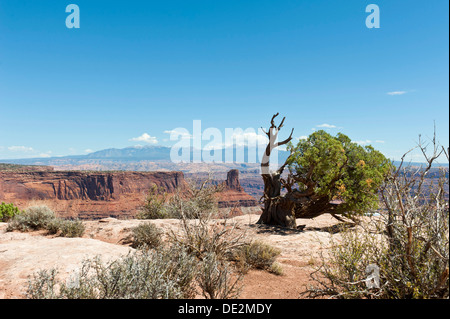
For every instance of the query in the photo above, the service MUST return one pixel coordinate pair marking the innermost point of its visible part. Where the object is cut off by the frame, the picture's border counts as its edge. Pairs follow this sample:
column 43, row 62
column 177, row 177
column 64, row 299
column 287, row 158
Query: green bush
column 8, row 211
column 331, row 168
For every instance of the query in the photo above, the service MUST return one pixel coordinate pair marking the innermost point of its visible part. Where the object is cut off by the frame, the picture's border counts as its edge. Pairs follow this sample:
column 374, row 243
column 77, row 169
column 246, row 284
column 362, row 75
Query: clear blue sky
column 138, row 67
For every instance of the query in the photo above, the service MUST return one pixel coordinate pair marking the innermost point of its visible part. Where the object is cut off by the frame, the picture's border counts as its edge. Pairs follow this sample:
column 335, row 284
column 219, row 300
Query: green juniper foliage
column 338, row 169
column 8, row 211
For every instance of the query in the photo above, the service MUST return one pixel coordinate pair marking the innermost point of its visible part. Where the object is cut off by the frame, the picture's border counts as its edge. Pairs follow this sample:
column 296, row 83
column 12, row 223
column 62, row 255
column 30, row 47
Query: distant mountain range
column 155, row 154
column 149, row 153
column 160, row 154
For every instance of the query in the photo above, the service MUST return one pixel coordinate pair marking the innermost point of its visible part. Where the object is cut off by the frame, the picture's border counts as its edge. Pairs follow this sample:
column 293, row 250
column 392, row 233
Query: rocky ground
column 23, row 254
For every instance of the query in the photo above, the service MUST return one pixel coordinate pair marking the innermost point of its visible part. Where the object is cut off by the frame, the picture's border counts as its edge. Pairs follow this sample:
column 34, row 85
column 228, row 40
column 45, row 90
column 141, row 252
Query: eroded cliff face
column 86, row 195
column 83, row 185
column 92, row 195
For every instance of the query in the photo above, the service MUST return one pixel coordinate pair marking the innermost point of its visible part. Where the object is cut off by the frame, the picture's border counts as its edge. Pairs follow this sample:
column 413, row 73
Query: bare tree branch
column 286, row 140
column 281, row 124
column 272, row 120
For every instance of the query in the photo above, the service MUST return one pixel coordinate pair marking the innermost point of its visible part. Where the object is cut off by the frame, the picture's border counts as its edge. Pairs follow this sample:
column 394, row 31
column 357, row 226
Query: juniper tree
column 326, row 174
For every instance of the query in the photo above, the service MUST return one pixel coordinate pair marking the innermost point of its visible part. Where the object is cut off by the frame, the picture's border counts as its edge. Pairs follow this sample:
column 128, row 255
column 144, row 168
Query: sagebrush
column 43, row 218
column 406, row 251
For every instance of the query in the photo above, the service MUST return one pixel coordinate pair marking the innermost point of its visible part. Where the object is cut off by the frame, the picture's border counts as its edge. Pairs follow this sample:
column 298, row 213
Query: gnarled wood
column 282, row 210
column 277, row 210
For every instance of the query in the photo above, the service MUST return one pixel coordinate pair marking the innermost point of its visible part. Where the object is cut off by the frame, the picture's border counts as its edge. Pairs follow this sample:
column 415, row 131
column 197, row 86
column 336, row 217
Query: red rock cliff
column 83, row 194
column 94, row 195
column 83, row 185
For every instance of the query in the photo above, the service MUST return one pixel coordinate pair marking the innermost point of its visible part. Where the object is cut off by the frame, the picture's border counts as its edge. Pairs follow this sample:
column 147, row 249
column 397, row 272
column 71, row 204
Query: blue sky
column 148, row 67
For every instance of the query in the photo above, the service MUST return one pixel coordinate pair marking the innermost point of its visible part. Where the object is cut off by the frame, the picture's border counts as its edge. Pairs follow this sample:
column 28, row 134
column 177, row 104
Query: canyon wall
column 93, row 195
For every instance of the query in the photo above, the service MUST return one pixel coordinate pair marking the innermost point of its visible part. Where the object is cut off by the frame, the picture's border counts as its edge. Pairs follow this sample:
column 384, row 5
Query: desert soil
column 24, row 254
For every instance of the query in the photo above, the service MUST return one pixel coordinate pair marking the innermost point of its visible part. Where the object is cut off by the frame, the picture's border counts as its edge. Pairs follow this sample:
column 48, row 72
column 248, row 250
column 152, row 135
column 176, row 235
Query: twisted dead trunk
column 277, row 209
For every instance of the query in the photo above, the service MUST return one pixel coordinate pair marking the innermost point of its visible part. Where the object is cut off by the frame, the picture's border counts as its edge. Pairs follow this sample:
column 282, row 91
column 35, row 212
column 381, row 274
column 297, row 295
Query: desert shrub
column 205, row 236
column 258, row 255
column 53, row 226
column 43, row 218
column 7, row 211
column 344, row 273
column 416, row 263
column 146, row 235
column 196, row 200
column 217, row 279
column 190, row 202
column 214, row 244
column 71, row 228
column 276, row 269
column 405, row 254
column 154, row 207
column 43, row 284
column 32, row 218
column 149, row 274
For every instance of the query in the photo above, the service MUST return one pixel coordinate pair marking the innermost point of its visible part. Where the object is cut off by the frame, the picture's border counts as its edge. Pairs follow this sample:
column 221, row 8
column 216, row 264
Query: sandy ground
column 23, row 254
